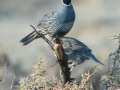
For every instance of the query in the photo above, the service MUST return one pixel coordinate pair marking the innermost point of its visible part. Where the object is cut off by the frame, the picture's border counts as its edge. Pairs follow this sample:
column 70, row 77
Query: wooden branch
column 58, row 51
column 60, row 55
column 42, row 36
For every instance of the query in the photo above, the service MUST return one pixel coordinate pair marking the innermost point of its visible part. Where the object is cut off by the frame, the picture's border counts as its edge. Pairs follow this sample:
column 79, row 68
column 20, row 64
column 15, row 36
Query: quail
column 77, row 52
column 55, row 24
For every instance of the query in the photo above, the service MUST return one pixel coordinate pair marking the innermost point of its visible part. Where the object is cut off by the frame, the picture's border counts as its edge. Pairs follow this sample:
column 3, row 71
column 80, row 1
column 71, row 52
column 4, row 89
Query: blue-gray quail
column 55, row 24
column 76, row 51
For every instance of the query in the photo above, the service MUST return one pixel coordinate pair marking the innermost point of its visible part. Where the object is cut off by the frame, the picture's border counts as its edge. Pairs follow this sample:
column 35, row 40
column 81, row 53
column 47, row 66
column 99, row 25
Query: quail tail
column 91, row 56
column 29, row 38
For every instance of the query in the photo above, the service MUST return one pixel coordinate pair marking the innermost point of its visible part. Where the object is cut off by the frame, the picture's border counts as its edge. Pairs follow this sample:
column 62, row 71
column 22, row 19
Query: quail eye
column 67, row 2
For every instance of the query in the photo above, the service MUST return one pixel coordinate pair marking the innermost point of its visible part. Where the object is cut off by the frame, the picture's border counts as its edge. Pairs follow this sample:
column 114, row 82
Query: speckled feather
column 59, row 22
column 55, row 24
column 77, row 51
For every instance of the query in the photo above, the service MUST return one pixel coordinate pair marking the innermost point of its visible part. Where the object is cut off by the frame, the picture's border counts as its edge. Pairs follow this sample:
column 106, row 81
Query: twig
column 63, row 63
column 12, row 84
column 94, row 68
column 113, row 58
column 5, row 72
column 53, row 65
column 51, row 44
column 41, row 35
column 86, row 78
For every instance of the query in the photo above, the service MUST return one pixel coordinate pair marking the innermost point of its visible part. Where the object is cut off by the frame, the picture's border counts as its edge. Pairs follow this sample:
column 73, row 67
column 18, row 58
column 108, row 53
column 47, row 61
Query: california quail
column 55, row 24
column 77, row 51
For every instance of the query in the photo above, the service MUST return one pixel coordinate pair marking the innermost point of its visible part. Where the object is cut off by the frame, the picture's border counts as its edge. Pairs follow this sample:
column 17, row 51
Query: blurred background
column 96, row 22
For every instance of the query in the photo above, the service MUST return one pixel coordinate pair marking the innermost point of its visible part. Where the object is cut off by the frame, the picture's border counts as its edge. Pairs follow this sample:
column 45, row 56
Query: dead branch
column 60, row 55
column 42, row 36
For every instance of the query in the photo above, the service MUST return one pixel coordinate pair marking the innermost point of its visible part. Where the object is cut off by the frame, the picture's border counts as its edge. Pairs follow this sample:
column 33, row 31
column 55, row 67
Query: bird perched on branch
column 55, row 24
column 77, row 52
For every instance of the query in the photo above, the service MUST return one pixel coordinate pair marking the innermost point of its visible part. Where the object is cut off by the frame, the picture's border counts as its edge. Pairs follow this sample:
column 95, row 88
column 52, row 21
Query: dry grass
column 39, row 81
column 111, row 81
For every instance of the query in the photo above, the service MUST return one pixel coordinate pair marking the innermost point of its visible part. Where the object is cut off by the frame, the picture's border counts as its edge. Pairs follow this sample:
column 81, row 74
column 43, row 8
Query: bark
column 61, row 57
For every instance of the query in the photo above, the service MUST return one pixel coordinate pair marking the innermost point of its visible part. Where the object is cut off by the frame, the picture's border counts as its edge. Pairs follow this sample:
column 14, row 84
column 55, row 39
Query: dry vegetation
column 39, row 81
column 111, row 81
